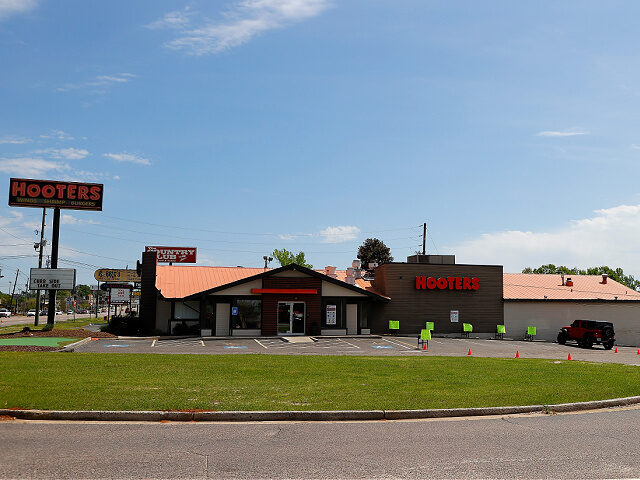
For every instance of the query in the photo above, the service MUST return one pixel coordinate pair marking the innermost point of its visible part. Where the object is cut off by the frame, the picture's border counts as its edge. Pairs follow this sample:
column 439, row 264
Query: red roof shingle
column 529, row 286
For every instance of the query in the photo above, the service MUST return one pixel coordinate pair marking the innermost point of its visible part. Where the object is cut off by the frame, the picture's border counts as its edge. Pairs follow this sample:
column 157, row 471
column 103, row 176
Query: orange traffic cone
column 469, row 352
column 616, row 351
column 569, row 357
column 517, row 353
column 639, row 351
column 424, row 346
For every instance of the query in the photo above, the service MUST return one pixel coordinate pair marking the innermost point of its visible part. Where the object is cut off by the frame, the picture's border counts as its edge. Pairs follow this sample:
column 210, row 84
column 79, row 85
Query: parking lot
column 385, row 345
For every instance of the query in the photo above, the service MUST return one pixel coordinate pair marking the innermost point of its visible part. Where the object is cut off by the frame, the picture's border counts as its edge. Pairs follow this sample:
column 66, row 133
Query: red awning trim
column 295, row 291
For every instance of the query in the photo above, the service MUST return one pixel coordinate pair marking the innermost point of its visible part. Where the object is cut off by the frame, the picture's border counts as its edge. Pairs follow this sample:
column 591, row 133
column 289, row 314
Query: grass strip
column 39, row 341
column 95, row 381
column 66, row 325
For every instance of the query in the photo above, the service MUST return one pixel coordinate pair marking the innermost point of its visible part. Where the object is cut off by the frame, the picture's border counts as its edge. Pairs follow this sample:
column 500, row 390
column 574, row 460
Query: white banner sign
column 119, row 295
column 331, row 314
column 52, row 279
column 455, row 316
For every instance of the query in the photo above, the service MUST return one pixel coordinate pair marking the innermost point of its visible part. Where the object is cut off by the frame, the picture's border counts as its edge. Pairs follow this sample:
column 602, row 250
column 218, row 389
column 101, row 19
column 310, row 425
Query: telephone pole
column 14, row 291
column 424, row 238
column 41, row 244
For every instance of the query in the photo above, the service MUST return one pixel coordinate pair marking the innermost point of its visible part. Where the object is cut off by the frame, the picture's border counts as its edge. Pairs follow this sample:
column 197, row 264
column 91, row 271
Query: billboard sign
column 119, row 295
column 52, row 279
column 53, row 194
column 174, row 254
column 116, row 275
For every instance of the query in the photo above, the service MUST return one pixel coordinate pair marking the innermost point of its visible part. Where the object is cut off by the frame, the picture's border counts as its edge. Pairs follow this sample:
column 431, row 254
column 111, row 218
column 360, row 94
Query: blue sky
column 241, row 126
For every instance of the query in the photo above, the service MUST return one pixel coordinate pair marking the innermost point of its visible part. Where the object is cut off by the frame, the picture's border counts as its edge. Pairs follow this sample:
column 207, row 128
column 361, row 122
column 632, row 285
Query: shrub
column 128, row 325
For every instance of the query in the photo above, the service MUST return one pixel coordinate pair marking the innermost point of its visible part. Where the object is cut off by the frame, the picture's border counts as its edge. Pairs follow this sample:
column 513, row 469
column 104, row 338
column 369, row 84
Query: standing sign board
column 119, row 295
column 52, row 279
column 174, row 254
column 116, row 275
column 331, row 314
column 25, row 192
column 455, row 316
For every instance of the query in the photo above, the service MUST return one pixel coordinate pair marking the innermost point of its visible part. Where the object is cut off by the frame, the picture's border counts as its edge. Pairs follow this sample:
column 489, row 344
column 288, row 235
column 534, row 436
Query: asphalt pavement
column 385, row 345
column 599, row 444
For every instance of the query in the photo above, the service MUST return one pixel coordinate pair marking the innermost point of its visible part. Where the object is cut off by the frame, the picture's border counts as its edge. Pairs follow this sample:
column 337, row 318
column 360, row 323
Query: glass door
column 291, row 318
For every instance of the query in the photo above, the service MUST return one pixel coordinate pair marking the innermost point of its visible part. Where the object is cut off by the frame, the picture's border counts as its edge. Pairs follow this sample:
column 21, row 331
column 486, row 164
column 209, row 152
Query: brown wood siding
column 483, row 308
column 270, row 303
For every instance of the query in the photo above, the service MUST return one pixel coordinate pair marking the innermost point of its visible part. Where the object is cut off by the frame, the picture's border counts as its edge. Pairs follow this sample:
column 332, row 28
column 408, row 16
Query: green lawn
column 288, row 382
column 39, row 341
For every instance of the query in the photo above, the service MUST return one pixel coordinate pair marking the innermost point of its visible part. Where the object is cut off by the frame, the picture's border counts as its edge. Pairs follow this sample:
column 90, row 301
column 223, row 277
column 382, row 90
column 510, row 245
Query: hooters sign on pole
column 174, row 254
column 54, row 194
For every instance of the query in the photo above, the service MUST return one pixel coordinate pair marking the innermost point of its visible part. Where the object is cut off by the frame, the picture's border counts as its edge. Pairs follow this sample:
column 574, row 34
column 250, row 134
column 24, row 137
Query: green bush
column 128, row 325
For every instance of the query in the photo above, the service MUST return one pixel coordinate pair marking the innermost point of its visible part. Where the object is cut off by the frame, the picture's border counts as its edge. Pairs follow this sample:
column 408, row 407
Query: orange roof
column 529, row 286
column 179, row 281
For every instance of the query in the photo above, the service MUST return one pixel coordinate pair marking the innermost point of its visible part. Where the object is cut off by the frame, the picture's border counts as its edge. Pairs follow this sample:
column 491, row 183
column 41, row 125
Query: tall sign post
column 54, row 194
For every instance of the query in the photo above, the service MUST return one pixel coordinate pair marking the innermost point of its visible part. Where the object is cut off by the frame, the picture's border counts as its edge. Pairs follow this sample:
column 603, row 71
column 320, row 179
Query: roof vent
column 373, row 265
column 604, row 278
column 562, row 278
column 569, row 282
column 356, row 264
column 329, row 270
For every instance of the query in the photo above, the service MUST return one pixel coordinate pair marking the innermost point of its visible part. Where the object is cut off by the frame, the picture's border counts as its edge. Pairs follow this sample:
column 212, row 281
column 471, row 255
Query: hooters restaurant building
column 294, row 300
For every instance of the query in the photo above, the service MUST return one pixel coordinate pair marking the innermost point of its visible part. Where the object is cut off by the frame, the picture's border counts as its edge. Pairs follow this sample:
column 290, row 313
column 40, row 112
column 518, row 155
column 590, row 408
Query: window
column 249, row 314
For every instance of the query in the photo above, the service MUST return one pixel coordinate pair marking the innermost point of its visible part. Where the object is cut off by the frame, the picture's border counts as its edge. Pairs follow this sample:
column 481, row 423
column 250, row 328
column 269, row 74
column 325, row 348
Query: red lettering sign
column 447, row 283
column 174, row 254
column 53, row 194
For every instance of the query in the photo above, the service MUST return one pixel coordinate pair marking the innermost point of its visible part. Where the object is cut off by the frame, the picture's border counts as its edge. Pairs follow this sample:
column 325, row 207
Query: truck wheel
column 587, row 342
column 607, row 332
column 608, row 345
column 562, row 338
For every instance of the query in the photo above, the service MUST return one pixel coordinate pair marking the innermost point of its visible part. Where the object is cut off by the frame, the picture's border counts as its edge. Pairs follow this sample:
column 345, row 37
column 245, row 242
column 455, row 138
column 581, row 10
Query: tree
column 617, row 274
column 83, row 291
column 374, row 250
column 285, row 257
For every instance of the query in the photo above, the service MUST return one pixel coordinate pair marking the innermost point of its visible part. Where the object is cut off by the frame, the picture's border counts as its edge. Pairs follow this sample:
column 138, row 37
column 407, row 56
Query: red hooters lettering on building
column 447, row 283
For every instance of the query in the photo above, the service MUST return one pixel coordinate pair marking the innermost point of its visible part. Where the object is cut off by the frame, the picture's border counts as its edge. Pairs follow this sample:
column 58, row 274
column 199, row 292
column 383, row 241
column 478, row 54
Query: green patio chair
column 531, row 333
column 500, row 331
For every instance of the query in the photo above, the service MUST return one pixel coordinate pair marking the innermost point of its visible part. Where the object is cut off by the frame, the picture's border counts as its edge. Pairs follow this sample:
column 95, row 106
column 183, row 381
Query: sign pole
column 41, row 245
column 55, row 237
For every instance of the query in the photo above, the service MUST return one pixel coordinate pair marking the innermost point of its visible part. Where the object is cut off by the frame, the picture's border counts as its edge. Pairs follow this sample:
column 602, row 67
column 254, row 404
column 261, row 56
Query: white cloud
column 128, row 157
column 10, row 7
column 66, row 153
column 243, row 21
column 175, row 19
column 340, row 233
column 287, row 236
column 14, row 140
column 635, row 147
column 607, row 238
column 572, row 132
column 100, row 83
column 87, row 176
column 30, row 166
column 57, row 135
column 67, row 219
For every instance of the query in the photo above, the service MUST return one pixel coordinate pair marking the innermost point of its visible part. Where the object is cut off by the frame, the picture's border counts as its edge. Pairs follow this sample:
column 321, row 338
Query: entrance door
column 291, row 318
column 352, row 318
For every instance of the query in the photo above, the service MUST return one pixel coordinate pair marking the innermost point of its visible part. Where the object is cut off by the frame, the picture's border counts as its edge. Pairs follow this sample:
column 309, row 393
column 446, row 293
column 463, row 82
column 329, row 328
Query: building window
column 249, row 314
column 332, row 315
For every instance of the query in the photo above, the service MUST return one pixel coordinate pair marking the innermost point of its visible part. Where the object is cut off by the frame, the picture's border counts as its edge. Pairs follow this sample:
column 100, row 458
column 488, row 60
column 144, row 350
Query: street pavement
column 386, row 345
column 24, row 320
column 598, row 444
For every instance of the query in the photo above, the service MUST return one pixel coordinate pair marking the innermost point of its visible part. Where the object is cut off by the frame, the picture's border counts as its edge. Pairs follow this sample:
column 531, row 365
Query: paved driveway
column 386, row 345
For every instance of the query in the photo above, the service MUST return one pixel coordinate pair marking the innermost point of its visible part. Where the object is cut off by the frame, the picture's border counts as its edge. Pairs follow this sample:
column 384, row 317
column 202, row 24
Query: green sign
column 501, row 329
column 394, row 325
column 467, row 327
column 430, row 326
column 425, row 334
column 531, row 330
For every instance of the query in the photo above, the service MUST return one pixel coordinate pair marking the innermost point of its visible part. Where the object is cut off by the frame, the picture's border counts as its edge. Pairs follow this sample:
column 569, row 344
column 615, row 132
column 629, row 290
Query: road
column 601, row 444
column 24, row 320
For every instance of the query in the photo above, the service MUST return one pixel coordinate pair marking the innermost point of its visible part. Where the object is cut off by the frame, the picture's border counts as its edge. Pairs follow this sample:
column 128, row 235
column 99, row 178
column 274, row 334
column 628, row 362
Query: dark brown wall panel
column 483, row 308
column 270, row 303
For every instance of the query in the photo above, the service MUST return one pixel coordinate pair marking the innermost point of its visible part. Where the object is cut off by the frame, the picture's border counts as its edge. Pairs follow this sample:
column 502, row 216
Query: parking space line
column 258, row 342
column 153, row 344
column 399, row 344
column 344, row 341
column 201, row 342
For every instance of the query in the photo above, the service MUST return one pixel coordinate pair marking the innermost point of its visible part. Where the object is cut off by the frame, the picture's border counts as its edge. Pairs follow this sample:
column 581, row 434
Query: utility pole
column 424, row 238
column 14, row 291
column 55, row 238
column 41, row 244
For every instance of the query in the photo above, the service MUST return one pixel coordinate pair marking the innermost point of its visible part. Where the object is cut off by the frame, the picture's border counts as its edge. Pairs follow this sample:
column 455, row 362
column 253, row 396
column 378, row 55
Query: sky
column 241, row 126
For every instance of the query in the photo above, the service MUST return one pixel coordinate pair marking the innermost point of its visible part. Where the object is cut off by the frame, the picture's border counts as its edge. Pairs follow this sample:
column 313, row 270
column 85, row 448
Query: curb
column 303, row 416
column 71, row 347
